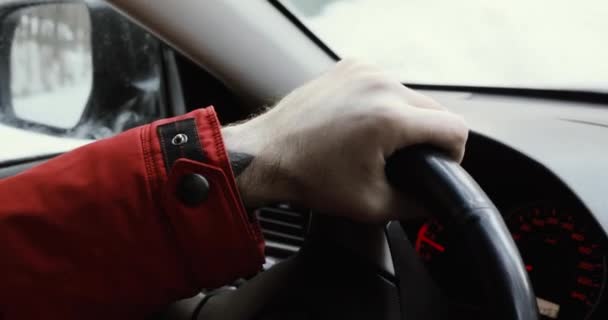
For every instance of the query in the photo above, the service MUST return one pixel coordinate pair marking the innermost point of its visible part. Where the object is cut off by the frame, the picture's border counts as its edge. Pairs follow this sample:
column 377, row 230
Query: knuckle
column 374, row 207
column 376, row 84
column 431, row 103
column 347, row 62
column 423, row 100
column 375, row 81
column 378, row 201
column 458, row 130
column 372, row 130
column 351, row 65
column 367, row 77
column 384, row 117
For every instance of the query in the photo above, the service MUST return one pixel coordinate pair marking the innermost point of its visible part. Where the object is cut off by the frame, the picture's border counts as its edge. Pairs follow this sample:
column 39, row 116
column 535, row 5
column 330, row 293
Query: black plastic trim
column 27, row 160
column 556, row 94
column 173, row 83
column 289, row 15
column 419, row 295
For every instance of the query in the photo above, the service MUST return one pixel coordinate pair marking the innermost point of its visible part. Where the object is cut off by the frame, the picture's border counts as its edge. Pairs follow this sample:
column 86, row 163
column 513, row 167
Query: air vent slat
column 268, row 221
column 283, row 215
column 284, row 230
column 283, row 238
column 282, row 246
column 283, row 227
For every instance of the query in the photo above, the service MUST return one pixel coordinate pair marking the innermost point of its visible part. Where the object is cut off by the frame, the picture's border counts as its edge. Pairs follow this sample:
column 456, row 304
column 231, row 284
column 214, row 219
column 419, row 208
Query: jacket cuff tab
column 218, row 241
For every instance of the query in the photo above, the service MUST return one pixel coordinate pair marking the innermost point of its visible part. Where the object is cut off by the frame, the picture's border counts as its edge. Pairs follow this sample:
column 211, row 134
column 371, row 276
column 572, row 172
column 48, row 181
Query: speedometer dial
column 563, row 254
column 565, row 262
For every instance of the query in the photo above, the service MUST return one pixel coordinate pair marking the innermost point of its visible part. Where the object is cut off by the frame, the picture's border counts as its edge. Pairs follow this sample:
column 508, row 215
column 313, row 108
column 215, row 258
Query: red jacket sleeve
column 123, row 226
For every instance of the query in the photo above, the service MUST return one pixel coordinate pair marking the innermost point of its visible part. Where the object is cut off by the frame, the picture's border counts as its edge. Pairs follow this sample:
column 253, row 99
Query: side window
column 70, row 73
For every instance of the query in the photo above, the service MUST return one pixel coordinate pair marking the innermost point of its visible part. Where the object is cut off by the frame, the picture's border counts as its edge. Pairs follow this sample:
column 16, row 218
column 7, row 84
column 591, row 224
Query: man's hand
column 325, row 144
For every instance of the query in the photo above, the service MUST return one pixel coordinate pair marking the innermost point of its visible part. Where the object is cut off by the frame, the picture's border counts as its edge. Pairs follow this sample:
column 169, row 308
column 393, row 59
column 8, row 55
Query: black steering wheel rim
column 446, row 188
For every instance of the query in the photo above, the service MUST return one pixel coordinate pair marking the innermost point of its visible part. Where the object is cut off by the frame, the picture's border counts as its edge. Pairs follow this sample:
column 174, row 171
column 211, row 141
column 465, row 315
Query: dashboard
column 563, row 246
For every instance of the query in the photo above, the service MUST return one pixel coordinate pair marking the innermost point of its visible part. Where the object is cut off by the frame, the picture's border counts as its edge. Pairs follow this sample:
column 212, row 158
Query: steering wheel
column 355, row 271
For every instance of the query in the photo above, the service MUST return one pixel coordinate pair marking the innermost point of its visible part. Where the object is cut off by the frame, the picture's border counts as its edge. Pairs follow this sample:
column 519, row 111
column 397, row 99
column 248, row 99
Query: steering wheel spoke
column 419, row 296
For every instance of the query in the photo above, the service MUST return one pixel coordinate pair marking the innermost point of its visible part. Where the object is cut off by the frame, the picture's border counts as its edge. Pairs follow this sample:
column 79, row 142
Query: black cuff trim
column 180, row 140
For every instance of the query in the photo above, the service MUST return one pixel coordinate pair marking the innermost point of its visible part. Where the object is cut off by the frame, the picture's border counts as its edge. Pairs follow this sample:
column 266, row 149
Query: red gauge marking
column 585, row 250
column 586, row 281
column 587, row 266
column 538, row 222
column 421, row 233
column 423, row 238
column 568, row 226
column 433, row 244
column 550, row 241
column 560, row 245
column 578, row 296
column 578, row 237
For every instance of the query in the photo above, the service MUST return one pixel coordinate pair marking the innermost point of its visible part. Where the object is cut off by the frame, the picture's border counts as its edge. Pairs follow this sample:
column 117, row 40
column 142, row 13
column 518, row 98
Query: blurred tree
column 51, row 48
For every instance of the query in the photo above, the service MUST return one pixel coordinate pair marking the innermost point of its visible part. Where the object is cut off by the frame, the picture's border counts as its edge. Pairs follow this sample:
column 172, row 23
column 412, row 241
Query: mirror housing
column 126, row 77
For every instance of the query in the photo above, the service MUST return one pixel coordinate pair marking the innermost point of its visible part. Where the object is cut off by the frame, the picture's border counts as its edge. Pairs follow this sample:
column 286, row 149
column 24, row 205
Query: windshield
column 542, row 44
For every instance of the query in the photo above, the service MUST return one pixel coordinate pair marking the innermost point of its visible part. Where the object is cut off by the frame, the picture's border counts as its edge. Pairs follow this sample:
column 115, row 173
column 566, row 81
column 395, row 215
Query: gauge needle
column 432, row 243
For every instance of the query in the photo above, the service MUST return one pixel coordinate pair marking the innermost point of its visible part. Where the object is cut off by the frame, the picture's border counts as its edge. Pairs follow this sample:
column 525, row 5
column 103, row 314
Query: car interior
column 519, row 230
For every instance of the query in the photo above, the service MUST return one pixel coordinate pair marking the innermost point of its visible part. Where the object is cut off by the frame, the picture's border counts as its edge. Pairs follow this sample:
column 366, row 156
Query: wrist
column 257, row 166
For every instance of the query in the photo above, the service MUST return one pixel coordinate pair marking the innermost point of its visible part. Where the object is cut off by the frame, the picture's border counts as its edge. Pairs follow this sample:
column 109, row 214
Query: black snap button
column 193, row 189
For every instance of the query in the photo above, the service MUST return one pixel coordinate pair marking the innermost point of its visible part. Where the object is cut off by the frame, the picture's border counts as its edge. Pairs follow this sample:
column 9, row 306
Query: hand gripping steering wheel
column 348, row 270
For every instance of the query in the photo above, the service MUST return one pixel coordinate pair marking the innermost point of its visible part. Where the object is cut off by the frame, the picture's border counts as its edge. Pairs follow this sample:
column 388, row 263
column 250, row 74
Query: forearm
column 104, row 232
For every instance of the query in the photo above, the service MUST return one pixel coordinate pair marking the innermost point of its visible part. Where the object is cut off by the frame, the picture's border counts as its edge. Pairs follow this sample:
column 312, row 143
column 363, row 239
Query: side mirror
column 49, row 64
column 76, row 68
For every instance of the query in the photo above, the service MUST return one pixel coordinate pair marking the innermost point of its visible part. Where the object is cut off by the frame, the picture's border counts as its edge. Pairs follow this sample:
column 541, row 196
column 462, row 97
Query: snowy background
column 51, row 64
column 520, row 43
column 51, row 78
